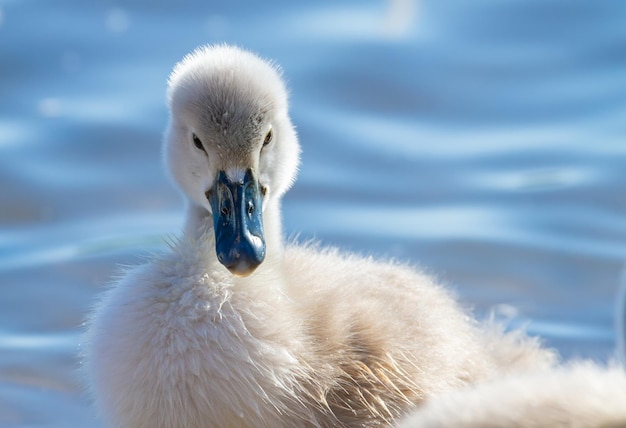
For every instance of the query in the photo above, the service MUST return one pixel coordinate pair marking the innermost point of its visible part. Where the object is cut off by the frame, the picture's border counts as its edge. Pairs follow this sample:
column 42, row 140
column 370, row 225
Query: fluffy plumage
column 581, row 395
column 313, row 337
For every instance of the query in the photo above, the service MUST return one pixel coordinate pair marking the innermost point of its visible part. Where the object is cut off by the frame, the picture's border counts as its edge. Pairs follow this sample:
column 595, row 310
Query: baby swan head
column 230, row 146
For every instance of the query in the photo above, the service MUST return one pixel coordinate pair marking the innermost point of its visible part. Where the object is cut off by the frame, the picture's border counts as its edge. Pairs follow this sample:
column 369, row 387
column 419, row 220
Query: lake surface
column 484, row 141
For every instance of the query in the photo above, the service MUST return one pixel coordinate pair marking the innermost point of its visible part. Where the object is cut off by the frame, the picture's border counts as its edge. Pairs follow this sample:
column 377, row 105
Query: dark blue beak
column 238, row 222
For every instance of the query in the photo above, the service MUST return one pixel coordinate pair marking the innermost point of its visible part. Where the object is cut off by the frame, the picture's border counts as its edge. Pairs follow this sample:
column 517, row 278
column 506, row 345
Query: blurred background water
column 484, row 141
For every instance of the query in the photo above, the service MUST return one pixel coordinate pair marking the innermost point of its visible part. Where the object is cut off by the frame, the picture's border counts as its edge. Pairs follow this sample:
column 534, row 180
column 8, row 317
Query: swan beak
column 238, row 222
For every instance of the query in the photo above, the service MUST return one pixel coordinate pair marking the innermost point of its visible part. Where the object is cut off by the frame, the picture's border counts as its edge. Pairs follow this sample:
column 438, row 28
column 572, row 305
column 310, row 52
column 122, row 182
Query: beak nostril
column 225, row 211
column 250, row 208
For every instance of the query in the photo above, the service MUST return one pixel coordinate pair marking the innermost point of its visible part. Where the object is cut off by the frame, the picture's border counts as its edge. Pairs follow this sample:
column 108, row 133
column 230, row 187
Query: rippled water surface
column 483, row 140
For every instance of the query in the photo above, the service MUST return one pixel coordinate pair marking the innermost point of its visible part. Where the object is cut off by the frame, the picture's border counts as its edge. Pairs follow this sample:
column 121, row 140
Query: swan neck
column 198, row 221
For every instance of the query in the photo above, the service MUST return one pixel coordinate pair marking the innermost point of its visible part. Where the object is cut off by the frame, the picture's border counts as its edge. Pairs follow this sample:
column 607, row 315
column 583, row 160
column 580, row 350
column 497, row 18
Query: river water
column 484, row 141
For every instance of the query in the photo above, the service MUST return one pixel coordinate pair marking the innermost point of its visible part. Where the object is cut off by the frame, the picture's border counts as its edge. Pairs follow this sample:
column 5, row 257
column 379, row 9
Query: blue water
column 484, row 141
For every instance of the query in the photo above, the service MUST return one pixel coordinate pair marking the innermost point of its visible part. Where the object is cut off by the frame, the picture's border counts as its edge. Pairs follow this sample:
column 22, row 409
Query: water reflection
column 117, row 20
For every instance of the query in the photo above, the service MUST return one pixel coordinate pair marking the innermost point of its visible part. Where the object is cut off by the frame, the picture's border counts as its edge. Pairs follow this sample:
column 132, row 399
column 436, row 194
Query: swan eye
column 268, row 138
column 198, row 143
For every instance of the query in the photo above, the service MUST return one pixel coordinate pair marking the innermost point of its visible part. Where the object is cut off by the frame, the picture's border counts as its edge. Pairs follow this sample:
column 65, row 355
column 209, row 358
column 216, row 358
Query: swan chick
column 233, row 327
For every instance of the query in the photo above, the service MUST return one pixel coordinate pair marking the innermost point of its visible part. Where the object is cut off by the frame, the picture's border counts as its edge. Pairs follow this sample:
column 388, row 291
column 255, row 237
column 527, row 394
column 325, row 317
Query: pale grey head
column 230, row 145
